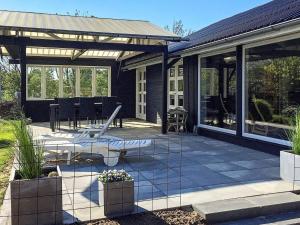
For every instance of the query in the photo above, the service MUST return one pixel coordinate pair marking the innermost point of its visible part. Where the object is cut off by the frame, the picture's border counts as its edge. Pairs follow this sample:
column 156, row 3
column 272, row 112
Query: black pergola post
column 164, row 90
column 22, row 52
column 239, row 90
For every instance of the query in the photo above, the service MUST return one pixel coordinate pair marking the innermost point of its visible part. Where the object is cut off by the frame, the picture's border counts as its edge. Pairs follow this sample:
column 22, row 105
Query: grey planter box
column 37, row 201
column 117, row 198
column 290, row 167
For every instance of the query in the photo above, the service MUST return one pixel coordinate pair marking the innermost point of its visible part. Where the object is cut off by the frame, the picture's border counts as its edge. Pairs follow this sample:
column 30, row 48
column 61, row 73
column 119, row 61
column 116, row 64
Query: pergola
column 24, row 34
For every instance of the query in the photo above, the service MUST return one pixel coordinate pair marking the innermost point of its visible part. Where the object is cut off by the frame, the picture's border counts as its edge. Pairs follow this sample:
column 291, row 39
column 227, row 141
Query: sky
column 195, row 14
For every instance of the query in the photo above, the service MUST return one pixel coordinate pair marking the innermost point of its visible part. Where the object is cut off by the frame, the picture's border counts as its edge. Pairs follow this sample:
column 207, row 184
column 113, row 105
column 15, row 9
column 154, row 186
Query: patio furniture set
column 91, row 109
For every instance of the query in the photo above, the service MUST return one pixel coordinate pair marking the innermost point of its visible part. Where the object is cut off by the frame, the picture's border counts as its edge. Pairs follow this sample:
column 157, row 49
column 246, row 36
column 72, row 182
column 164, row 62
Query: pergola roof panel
column 39, row 22
column 57, row 52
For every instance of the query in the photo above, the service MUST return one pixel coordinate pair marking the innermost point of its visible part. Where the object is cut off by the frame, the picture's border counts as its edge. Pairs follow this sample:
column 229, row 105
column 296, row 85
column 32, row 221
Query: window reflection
column 272, row 74
column 218, row 91
column 34, row 82
column 52, row 82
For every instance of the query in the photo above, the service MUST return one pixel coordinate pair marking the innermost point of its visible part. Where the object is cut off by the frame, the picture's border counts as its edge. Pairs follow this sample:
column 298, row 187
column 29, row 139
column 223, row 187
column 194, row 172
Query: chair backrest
column 66, row 107
column 110, row 120
column 87, row 108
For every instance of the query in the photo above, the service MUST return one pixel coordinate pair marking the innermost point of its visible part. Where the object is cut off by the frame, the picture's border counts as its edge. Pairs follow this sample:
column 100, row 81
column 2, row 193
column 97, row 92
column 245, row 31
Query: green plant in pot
column 294, row 134
column 36, row 193
column 116, row 192
column 290, row 159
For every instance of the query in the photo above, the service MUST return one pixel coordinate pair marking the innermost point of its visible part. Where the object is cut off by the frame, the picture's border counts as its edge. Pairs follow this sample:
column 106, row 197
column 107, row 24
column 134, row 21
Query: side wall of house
column 154, row 93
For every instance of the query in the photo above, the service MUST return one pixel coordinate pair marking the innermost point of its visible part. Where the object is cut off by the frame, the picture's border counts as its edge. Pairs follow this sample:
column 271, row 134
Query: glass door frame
column 141, row 106
column 200, row 125
column 175, row 93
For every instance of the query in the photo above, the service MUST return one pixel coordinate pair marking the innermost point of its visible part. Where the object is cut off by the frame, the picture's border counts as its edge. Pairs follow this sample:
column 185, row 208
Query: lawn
column 6, row 159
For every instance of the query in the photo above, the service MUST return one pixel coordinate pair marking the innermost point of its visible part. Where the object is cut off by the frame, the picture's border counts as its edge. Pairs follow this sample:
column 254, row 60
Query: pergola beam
column 54, row 36
column 80, row 44
column 123, row 52
column 78, row 54
column 13, row 51
column 82, row 51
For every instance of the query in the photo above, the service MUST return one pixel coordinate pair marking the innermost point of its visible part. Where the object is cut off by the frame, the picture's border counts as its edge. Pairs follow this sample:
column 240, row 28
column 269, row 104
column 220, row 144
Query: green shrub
column 261, row 110
column 29, row 153
column 294, row 134
column 281, row 119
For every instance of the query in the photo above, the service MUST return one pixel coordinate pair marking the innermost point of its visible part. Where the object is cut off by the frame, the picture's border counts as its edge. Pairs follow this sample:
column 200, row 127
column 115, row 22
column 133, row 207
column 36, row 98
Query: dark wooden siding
column 190, row 80
column 126, row 92
column 154, row 93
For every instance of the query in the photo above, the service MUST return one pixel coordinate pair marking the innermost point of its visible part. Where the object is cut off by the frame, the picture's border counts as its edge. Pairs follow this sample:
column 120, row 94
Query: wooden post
column 164, row 91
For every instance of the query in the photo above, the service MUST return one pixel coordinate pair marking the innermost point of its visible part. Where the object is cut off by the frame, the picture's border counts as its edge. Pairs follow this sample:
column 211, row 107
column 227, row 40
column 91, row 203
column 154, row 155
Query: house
column 238, row 78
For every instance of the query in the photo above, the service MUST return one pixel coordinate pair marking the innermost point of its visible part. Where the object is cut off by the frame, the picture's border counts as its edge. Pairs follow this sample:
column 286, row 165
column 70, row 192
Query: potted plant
column 36, row 190
column 117, row 195
column 290, row 159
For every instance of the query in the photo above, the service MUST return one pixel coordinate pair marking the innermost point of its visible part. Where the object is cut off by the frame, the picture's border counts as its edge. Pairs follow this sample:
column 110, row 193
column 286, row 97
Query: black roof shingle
column 271, row 13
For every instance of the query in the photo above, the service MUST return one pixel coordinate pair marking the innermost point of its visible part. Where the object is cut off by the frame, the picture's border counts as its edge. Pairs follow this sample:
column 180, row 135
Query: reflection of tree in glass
column 52, row 82
column 277, row 81
column 209, row 82
column 69, row 81
column 86, row 82
column 102, row 82
column 34, row 82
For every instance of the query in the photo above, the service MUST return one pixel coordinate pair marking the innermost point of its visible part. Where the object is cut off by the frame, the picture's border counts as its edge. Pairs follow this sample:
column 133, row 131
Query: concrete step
column 248, row 207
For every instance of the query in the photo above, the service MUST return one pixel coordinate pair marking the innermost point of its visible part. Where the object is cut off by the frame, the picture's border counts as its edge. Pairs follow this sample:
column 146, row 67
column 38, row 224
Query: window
column 52, row 82
column 34, row 82
column 175, row 86
column 49, row 82
column 69, row 82
column 218, row 91
column 272, row 88
column 102, row 81
column 86, row 76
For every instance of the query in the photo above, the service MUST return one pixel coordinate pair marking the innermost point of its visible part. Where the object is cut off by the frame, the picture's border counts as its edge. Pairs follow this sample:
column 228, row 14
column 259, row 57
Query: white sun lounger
column 109, row 147
column 97, row 130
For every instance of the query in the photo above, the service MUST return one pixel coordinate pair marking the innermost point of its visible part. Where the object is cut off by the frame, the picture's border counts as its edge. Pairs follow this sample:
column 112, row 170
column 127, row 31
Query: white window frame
column 252, row 45
column 143, row 92
column 60, row 69
column 223, row 130
column 176, row 78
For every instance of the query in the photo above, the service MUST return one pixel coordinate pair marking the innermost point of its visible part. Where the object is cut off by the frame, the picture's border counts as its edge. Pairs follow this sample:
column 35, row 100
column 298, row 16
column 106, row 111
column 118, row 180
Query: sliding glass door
column 218, row 91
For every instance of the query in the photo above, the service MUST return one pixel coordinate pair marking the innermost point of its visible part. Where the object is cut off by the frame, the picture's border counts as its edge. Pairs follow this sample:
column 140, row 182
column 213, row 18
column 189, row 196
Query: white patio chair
column 109, row 147
column 97, row 130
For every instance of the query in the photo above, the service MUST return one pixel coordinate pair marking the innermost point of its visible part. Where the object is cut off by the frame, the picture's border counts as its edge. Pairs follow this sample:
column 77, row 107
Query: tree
column 178, row 28
column 9, row 79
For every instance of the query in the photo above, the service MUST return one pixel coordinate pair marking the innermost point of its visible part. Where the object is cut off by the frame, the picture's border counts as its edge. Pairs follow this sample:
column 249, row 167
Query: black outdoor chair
column 66, row 109
column 87, row 109
column 98, row 107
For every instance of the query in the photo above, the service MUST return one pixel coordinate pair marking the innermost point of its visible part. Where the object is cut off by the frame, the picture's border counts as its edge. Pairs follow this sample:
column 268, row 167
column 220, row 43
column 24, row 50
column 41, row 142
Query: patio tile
column 155, row 175
column 255, row 174
column 205, row 159
column 223, row 166
column 146, row 190
column 178, row 187
column 256, row 164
